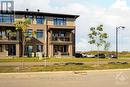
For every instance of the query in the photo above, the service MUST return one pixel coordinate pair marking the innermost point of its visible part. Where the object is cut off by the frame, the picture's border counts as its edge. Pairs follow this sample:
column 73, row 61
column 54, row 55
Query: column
column 17, row 50
column 70, row 50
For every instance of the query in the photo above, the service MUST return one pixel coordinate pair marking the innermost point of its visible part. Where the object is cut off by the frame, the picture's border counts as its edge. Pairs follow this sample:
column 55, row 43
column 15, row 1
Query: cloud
column 115, row 15
column 120, row 4
column 32, row 5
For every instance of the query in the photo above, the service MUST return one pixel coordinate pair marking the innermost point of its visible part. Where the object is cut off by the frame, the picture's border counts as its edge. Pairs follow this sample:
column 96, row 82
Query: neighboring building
column 55, row 34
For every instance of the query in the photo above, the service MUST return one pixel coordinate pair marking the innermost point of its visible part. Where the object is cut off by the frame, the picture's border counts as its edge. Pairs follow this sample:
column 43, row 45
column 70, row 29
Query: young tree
column 21, row 25
column 107, row 46
column 97, row 36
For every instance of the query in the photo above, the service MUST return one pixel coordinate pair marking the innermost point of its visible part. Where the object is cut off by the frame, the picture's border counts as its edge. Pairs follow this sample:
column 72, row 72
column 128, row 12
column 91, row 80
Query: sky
column 110, row 13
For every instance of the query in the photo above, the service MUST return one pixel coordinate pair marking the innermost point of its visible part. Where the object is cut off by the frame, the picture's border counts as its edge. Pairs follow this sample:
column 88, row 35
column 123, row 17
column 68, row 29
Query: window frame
column 6, row 18
column 40, row 36
column 39, row 20
column 59, row 21
column 39, row 48
column 30, row 33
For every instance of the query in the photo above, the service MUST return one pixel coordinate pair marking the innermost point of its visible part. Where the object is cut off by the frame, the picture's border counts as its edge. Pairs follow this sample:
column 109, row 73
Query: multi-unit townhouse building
column 55, row 34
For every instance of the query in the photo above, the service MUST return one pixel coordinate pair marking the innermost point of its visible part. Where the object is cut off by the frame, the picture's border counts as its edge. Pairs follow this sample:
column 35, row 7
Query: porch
column 9, row 50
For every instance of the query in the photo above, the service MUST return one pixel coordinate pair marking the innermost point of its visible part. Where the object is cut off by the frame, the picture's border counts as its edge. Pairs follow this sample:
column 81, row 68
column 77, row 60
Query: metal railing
column 61, row 53
column 8, row 38
column 59, row 38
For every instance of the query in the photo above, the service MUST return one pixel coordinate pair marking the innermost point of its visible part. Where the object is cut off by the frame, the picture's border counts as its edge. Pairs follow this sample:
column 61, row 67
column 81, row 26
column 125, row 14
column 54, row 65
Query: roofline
column 42, row 13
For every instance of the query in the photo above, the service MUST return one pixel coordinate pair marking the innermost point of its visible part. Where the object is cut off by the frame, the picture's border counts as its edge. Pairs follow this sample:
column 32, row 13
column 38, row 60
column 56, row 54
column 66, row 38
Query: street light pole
column 117, row 42
column 117, row 28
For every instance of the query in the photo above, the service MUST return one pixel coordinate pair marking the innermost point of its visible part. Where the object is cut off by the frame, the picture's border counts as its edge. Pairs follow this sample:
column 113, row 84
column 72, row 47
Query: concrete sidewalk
column 56, row 73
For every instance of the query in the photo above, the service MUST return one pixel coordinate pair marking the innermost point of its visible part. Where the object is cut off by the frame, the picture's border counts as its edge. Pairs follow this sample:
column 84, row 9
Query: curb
column 60, row 72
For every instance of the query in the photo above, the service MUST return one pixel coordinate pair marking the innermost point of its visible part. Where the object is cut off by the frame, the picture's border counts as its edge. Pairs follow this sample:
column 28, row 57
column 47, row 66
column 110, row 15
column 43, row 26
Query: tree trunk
column 23, row 43
column 98, row 51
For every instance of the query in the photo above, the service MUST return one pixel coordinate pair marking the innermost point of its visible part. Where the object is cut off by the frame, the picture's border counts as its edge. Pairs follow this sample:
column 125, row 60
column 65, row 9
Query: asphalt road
column 109, row 78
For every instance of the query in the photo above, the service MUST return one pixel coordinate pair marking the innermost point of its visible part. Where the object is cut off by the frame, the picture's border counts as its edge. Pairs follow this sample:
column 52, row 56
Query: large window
column 59, row 33
column 5, row 18
column 28, row 50
column 60, row 21
column 2, row 35
column 39, row 19
column 29, row 31
column 39, row 33
column 39, row 48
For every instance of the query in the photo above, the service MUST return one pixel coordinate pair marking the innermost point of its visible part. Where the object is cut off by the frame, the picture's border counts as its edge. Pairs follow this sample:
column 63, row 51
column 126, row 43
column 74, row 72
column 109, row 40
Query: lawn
column 62, row 60
column 5, row 69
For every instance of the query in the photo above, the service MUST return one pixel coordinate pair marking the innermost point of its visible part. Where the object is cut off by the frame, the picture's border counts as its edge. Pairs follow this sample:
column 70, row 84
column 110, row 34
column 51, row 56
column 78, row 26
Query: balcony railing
column 60, row 38
column 8, row 38
column 61, row 27
column 61, row 53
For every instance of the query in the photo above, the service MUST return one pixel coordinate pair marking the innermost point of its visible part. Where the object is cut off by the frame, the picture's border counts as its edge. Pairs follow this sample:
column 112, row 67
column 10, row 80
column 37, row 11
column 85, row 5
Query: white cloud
column 120, row 4
column 115, row 15
column 43, row 5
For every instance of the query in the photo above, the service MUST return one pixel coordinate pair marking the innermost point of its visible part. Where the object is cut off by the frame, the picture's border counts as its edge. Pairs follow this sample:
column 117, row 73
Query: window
column 59, row 33
column 39, row 33
column 2, row 34
column 29, row 32
column 59, row 21
column 62, row 34
column 39, row 19
column 6, row 18
column 39, row 48
column 30, row 48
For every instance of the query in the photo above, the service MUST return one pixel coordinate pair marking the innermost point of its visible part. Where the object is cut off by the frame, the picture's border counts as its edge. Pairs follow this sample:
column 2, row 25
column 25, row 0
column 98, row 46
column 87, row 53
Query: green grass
column 61, row 60
column 84, row 60
column 5, row 69
column 79, row 67
column 20, row 59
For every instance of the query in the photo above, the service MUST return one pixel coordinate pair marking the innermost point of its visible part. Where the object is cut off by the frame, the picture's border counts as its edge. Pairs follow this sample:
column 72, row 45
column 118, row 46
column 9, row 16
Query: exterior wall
column 70, row 22
column 48, row 46
column 49, row 20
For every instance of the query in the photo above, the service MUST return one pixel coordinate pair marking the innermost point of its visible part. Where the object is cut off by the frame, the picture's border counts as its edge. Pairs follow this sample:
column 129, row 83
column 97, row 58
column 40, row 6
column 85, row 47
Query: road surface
column 105, row 78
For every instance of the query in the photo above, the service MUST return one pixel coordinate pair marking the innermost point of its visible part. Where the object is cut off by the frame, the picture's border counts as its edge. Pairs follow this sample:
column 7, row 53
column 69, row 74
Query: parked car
column 78, row 55
column 112, row 56
column 90, row 56
column 84, row 55
column 100, row 55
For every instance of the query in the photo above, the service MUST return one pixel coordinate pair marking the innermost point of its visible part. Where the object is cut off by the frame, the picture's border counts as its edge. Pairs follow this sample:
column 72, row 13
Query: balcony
column 61, row 53
column 61, row 27
column 61, row 39
column 6, row 24
column 8, row 40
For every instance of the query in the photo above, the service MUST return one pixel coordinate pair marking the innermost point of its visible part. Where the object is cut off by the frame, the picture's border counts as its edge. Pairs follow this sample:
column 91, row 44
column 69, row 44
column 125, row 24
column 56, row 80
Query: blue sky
column 102, row 3
column 110, row 13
